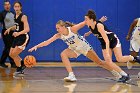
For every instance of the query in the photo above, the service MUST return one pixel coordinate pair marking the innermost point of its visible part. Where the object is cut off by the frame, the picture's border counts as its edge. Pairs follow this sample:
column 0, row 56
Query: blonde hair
column 66, row 24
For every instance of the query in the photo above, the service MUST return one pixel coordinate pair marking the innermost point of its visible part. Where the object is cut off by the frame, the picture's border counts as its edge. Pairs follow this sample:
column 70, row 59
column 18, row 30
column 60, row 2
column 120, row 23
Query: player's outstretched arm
column 45, row 43
column 77, row 27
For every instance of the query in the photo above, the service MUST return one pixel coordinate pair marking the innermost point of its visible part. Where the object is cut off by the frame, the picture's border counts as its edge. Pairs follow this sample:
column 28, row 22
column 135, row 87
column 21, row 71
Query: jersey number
column 17, row 26
column 71, row 42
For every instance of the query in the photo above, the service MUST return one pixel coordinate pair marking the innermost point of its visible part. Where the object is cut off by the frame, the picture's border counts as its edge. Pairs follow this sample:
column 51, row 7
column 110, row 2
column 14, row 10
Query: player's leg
column 94, row 57
column 120, row 57
column 124, row 76
column 65, row 55
column 14, row 54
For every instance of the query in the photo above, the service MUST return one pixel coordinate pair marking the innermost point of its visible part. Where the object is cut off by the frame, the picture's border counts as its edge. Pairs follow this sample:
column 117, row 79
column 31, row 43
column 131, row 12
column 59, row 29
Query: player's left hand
column 15, row 34
column 33, row 49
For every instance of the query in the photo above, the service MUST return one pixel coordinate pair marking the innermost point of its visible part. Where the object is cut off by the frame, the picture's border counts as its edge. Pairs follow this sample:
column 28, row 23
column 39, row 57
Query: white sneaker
column 70, row 78
column 129, row 65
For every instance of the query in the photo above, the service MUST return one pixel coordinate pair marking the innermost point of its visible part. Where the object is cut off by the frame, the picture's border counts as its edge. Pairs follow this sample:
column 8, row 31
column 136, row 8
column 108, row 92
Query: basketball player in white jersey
column 76, row 45
column 134, row 37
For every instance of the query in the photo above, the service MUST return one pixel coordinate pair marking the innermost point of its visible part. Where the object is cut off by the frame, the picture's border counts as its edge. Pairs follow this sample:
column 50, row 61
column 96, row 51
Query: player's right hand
column 32, row 49
column 7, row 31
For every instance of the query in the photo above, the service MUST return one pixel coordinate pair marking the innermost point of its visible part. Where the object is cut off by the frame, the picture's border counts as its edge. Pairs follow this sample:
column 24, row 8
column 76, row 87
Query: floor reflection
column 8, row 83
column 71, row 86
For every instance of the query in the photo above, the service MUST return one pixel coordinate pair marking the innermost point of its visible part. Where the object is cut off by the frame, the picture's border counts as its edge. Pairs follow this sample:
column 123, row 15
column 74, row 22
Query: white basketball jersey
column 136, row 32
column 73, row 40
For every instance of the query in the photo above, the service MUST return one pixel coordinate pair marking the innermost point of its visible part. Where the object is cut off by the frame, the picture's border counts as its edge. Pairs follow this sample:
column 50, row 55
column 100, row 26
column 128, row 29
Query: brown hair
column 66, row 24
column 91, row 14
column 18, row 3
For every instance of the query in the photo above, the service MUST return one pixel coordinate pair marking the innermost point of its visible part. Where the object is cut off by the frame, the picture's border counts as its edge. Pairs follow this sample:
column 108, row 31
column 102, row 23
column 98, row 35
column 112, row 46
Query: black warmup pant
column 8, row 40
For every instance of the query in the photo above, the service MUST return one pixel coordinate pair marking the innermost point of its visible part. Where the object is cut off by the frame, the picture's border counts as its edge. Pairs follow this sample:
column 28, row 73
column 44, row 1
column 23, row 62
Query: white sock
column 132, row 58
column 116, row 74
column 71, row 73
column 123, row 73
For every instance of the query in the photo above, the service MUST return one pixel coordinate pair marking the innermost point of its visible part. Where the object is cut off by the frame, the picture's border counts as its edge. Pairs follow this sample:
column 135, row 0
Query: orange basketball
column 30, row 61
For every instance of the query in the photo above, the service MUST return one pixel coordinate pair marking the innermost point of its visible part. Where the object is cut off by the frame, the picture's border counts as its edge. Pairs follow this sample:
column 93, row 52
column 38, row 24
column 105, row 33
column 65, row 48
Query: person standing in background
column 7, row 20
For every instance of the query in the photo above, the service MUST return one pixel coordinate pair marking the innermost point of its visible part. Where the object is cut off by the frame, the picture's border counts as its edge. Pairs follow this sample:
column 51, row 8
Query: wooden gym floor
column 48, row 78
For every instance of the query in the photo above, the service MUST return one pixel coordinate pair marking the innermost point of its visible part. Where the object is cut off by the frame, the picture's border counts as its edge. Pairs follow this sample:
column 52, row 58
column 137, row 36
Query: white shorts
column 81, row 49
column 134, row 45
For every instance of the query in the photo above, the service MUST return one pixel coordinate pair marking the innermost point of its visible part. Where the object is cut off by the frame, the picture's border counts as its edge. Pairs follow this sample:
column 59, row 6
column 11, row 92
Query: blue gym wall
column 43, row 15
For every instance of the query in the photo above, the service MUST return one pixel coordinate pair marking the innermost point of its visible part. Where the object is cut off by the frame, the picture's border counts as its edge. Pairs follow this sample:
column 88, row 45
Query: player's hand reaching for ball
column 33, row 49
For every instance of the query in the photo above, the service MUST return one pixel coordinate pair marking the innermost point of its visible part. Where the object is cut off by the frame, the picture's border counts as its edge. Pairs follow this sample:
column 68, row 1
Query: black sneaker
column 124, row 79
column 19, row 71
column 137, row 59
column 23, row 67
column 3, row 66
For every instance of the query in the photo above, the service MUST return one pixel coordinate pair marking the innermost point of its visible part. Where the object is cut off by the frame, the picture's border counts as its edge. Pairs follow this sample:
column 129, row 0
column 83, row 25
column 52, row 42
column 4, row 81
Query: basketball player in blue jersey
column 76, row 45
column 134, row 37
column 109, row 42
column 21, row 37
